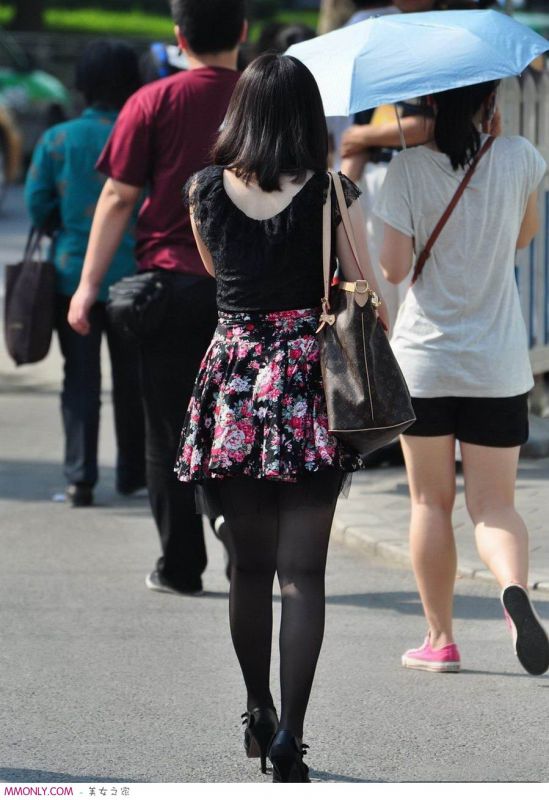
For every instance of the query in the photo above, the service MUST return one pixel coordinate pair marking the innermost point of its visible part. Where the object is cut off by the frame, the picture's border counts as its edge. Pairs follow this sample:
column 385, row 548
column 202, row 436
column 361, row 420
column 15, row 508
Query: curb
column 396, row 551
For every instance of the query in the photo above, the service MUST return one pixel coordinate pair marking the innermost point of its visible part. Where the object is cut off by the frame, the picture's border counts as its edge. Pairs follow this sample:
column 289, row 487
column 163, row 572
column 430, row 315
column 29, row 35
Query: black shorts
column 487, row 421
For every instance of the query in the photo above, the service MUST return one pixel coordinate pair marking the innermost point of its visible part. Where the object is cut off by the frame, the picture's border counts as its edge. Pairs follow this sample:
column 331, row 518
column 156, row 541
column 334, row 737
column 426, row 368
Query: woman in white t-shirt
column 461, row 342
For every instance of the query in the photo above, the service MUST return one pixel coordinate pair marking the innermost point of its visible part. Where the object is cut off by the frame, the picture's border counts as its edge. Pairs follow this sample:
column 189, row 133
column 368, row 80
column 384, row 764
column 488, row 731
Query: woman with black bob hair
column 461, row 342
column 61, row 191
column 256, row 434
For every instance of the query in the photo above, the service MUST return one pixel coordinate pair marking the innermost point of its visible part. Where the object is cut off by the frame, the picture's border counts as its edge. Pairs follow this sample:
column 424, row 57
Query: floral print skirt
column 258, row 406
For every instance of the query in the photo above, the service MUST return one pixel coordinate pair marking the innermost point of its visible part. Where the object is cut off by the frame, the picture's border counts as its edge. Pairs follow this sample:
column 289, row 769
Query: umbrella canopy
column 391, row 58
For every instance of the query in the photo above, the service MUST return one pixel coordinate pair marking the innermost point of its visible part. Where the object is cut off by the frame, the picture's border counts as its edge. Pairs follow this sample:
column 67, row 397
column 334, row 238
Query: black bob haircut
column 107, row 73
column 210, row 26
column 275, row 123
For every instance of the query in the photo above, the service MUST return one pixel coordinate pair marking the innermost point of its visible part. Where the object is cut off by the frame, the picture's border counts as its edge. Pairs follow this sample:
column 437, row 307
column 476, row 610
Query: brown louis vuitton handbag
column 367, row 398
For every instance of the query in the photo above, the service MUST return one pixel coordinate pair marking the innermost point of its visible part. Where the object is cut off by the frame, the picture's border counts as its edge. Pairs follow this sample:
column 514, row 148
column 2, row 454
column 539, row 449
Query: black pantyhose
column 279, row 528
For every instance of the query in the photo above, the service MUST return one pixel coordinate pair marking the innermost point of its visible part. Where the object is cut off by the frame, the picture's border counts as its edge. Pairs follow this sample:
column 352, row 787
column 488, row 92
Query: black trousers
column 170, row 360
column 81, row 399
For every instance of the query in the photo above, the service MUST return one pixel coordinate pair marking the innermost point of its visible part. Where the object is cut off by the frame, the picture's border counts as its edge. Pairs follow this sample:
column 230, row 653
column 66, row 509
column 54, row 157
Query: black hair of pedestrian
column 275, row 123
column 455, row 131
column 292, row 34
column 107, row 73
column 276, row 37
column 210, row 26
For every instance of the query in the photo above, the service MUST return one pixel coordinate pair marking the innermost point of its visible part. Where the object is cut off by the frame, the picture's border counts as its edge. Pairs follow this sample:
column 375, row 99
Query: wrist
column 89, row 286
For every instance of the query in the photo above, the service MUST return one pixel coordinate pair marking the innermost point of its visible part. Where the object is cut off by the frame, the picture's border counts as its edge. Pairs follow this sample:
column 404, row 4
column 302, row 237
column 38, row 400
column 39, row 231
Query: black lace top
column 265, row 265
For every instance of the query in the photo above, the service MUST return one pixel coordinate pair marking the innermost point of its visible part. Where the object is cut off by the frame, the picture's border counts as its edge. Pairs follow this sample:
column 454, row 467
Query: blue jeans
column 81, row 399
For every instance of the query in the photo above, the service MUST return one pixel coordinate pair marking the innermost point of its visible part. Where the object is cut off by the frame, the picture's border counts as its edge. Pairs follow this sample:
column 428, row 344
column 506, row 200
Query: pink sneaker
column 446, row 659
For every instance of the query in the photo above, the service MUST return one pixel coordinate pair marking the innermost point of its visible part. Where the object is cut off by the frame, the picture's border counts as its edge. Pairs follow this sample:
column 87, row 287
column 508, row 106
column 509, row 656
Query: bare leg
column 430, row 464
column 501, row 535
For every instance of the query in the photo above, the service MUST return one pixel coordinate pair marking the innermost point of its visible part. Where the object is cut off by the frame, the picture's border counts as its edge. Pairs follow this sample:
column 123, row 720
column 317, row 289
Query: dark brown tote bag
column 367, row 398
column 29, row 304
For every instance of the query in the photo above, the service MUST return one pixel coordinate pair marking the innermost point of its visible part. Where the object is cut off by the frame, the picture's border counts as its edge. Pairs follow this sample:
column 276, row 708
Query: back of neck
column 226, row 60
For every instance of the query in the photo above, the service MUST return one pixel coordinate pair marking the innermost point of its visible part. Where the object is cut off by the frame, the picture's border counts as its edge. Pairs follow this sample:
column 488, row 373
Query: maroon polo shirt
column 163, row 135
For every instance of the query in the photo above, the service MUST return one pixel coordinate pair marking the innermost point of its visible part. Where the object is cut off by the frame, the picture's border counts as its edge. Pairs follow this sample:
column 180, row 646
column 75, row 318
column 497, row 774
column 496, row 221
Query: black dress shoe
column 261, row 725
column 128, row 487
column 286, row 756
column 80, row 495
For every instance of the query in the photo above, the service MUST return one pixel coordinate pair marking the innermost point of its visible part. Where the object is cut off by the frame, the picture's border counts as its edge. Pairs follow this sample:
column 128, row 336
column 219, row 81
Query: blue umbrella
column 387, row 59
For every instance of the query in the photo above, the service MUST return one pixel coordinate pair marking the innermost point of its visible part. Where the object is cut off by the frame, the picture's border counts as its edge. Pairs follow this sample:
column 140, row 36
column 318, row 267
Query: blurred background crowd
column 40, row 41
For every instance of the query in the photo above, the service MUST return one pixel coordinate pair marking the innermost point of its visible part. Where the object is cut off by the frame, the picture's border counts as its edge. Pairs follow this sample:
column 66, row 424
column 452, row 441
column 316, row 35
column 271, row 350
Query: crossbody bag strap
column 426, row 252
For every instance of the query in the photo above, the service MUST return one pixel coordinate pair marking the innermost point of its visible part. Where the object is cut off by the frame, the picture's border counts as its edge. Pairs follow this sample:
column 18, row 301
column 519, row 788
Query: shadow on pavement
column 20, row 774
column 30, row 480
column 39, row 481
column 331, row 777
column 408, row 603
column 503, row 675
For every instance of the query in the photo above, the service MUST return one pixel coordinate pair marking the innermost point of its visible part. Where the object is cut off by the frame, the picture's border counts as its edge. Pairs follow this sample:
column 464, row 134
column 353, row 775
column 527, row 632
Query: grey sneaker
column 156, row 583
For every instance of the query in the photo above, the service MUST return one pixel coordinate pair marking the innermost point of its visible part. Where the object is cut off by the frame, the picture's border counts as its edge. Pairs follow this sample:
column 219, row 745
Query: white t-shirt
column 460, row 330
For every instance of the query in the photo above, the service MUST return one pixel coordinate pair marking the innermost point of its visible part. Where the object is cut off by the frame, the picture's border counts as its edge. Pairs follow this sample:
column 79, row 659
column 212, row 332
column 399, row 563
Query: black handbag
column 366, row 395
column 29, row 307
column 137, row 304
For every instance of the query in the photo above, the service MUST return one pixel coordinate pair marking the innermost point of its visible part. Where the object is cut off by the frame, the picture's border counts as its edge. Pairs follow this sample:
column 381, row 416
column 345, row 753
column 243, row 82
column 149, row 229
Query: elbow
column 118, row 203
column 118, row 197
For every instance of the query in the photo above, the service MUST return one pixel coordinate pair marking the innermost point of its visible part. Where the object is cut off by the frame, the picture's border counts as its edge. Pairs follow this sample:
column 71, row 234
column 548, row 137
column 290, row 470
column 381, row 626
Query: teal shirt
column 62, row 177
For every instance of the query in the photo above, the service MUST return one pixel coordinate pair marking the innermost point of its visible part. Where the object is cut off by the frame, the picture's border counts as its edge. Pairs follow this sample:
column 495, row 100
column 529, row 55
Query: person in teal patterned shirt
column 61, row 192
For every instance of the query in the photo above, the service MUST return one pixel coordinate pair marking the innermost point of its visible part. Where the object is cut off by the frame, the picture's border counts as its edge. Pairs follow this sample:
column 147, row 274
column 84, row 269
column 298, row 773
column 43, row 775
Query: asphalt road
column 103, row 680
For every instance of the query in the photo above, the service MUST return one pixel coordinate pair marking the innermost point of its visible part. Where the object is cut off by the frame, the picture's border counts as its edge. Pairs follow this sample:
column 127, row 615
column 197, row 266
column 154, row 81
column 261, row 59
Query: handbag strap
column 426, row 252
column 325, row 316
column 33, row 243
column 334, row 180
column 346, row 220
column 327, row 240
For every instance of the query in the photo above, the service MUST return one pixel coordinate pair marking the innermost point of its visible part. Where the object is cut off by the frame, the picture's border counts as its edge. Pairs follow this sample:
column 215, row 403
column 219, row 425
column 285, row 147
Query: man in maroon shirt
column 164, row 134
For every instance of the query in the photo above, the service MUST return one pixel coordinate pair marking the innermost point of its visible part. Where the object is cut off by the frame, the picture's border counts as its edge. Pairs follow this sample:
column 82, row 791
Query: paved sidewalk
column 375, row 518
column 375, row 515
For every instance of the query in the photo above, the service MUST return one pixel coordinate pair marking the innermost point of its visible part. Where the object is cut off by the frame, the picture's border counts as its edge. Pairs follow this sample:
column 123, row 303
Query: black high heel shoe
column 286, row 756
column 261, row 725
